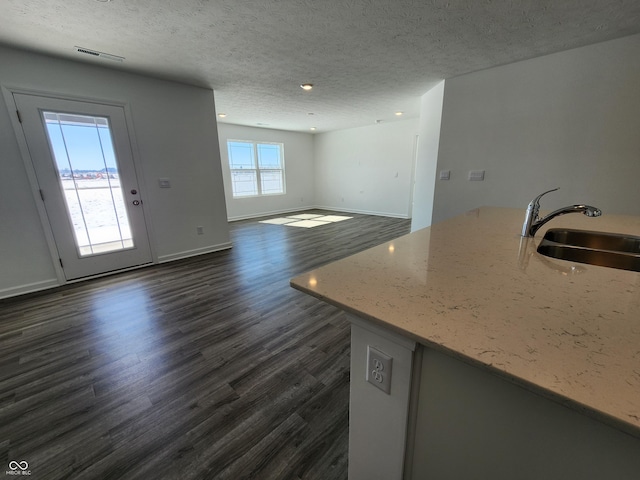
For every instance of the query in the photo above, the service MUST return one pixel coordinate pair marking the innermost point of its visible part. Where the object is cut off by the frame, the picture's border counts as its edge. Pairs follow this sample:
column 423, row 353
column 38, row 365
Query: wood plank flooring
column 206, row 368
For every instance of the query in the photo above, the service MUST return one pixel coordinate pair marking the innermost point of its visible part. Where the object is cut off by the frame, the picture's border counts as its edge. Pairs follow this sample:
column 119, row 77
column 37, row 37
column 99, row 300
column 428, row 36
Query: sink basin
column 596, row 248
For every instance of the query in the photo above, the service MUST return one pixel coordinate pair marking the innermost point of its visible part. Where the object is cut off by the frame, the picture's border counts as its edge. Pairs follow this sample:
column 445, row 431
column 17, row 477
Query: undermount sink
column 596, row 248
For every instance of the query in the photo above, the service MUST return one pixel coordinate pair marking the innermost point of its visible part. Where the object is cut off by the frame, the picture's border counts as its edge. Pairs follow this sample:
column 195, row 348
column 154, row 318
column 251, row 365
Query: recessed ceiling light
column 222, row 115
column 312, row 128
column 398, row 114
column 306, row 86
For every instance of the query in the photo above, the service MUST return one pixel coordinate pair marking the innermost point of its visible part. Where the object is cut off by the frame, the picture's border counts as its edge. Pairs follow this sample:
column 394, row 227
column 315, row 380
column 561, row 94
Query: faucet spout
column 587, row 210
column 533, row 222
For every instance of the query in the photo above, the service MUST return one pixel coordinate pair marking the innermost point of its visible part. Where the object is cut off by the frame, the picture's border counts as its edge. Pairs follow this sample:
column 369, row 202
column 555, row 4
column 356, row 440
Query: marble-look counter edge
column 532, row 387
column 301, row 283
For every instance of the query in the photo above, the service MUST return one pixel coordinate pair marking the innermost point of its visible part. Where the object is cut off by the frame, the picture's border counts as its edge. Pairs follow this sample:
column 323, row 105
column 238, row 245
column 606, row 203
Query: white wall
column 569, row 120
column 176, row 137
column 427, row 156
column 367, row 169
column 298, row 159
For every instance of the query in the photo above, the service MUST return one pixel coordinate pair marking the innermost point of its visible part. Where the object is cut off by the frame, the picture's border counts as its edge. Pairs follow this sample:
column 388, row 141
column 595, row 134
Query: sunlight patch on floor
column 306, row 220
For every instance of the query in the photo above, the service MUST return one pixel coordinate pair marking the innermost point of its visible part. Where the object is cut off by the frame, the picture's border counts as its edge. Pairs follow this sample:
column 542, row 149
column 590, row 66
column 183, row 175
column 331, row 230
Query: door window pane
column 83, row 151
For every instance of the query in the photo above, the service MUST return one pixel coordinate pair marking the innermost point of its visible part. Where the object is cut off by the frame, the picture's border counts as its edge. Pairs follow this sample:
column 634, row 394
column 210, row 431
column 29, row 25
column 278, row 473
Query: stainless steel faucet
column 532, row 222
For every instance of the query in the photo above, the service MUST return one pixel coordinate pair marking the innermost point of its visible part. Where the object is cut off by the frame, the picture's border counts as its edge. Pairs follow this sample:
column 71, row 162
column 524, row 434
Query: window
column 256, row 168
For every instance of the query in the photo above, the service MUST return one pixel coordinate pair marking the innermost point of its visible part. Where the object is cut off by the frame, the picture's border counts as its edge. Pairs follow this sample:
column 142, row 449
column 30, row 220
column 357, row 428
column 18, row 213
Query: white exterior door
column 82, row 157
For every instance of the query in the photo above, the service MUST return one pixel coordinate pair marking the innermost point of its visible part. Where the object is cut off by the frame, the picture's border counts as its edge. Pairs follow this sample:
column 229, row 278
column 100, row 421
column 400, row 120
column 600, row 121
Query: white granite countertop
column 471, row 287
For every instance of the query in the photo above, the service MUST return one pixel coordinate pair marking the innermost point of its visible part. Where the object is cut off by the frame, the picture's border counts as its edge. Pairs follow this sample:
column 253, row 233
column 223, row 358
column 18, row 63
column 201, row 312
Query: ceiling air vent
column 93, row 53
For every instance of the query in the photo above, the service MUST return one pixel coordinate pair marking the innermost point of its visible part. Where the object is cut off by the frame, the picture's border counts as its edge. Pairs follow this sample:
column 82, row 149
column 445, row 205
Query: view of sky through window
column 83, row 151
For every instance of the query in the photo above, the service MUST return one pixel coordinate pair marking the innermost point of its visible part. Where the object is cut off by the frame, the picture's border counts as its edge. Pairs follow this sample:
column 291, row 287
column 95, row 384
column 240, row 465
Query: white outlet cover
column 379, row 366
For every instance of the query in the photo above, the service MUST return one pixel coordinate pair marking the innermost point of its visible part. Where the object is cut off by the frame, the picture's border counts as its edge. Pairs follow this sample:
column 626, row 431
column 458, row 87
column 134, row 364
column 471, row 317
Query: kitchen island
column 506, row 363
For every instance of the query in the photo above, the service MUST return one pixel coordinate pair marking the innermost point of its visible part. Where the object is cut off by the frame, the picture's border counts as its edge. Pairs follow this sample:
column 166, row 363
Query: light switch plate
column 476, row 175
column 445, row 174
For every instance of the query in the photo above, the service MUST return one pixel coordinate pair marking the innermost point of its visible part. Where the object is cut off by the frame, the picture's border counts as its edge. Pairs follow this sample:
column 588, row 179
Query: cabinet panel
column 377, row 420
column 473, row 424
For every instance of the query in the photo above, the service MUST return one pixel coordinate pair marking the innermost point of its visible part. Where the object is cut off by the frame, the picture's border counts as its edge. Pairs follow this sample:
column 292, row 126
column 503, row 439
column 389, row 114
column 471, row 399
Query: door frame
column 7, row 93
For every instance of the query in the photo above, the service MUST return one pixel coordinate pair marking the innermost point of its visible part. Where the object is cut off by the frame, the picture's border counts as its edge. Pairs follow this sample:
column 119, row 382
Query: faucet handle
column 532, row 213
column 536, row 201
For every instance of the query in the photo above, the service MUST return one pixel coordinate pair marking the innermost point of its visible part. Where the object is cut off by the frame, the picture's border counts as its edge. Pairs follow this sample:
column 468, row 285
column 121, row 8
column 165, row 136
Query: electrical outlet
column 200, row 230
column 379, row 369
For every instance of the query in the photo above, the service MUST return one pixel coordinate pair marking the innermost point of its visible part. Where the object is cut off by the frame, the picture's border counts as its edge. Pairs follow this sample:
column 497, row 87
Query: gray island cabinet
column 502, row 363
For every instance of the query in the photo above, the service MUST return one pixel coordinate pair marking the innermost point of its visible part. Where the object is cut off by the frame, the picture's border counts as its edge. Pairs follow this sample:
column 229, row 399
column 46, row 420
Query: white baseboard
column 319, row 207
column 194, row 252
column 363, row 212
column 52, row 283
column 267, row 214
column 29, row 288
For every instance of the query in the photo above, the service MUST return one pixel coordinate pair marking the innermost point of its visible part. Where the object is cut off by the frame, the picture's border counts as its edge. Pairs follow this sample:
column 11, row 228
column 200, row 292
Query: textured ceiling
column 366, row 58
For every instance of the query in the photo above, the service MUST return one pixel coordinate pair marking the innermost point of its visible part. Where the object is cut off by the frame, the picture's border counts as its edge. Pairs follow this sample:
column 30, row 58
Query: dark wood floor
column 206, row 368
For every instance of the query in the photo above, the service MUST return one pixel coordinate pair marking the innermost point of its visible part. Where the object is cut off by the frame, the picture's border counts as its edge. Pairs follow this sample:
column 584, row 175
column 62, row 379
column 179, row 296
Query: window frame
column 257, row 169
